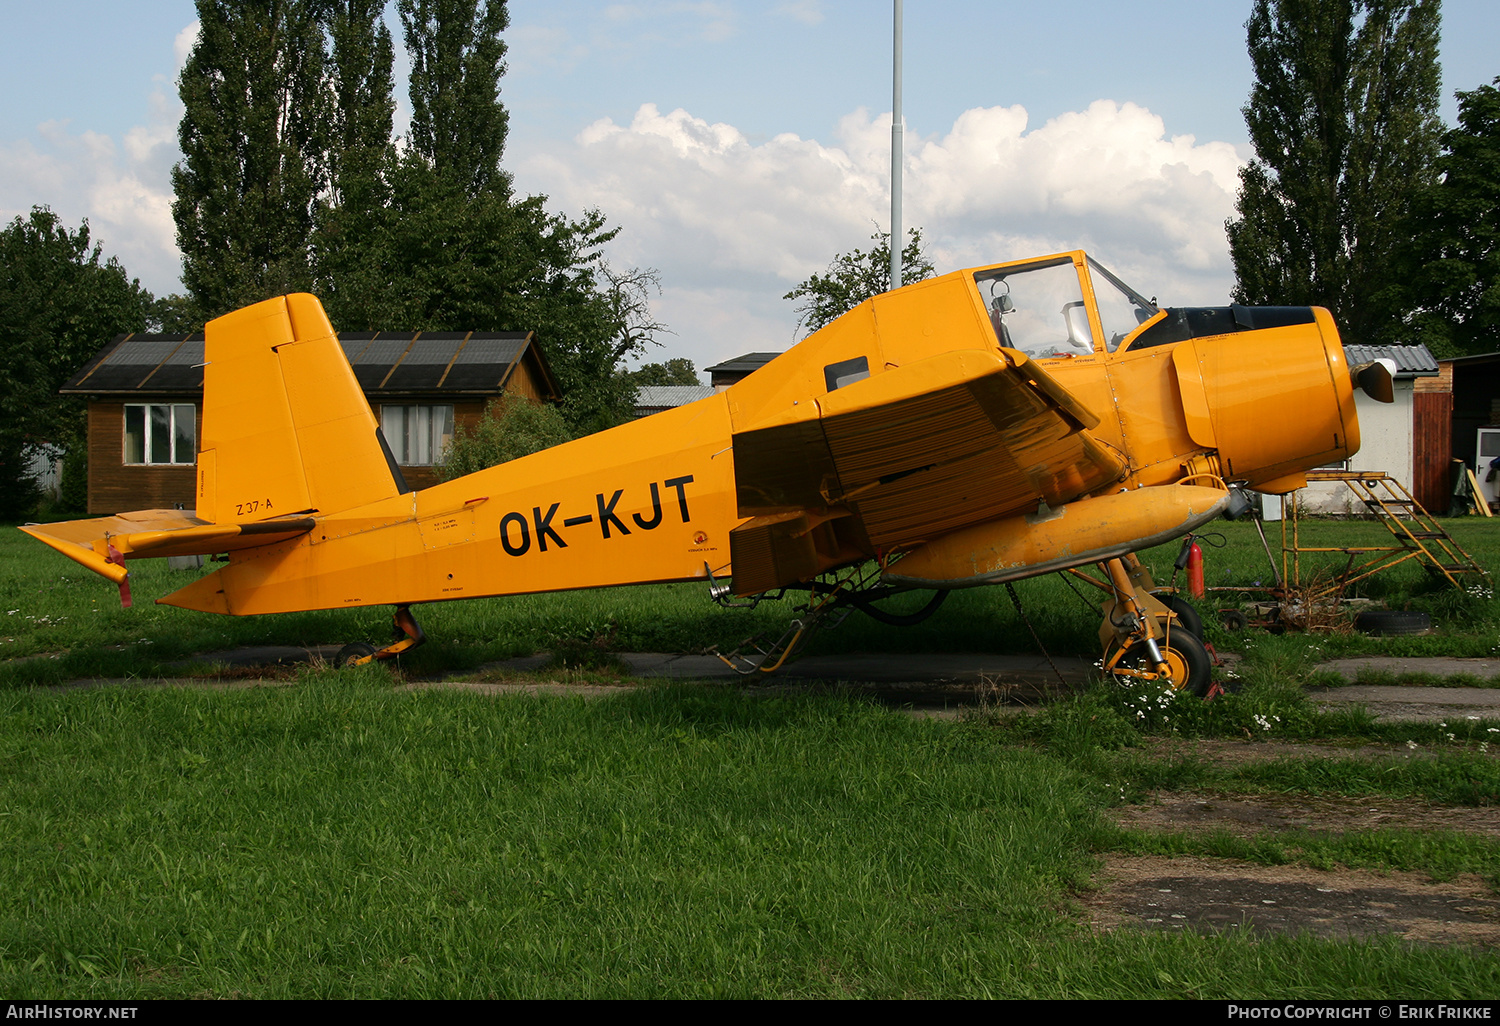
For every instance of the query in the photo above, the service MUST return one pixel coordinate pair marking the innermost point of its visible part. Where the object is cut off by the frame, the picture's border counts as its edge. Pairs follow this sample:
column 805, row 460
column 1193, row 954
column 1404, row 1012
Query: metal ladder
column 1417, row 534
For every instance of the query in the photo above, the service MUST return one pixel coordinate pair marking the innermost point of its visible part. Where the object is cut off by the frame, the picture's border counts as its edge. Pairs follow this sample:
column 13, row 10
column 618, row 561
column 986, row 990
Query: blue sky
column 739, row 145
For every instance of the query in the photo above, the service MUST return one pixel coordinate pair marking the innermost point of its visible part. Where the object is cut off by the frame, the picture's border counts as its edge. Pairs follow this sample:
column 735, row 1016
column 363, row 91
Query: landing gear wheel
column 1187, row 616
column 352, row 652
column 1187, row 661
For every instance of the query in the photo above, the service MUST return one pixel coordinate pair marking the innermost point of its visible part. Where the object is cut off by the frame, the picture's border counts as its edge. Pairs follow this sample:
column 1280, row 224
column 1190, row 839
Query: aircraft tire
column 1187, row 616
column 352, row 651
column 1192, row 670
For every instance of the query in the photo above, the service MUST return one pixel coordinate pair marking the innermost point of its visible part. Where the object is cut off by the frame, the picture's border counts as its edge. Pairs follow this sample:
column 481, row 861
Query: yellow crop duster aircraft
column 972, row 429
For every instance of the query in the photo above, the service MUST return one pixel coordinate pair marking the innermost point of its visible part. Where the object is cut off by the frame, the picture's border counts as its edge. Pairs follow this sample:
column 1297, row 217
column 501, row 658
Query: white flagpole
column 897, row 239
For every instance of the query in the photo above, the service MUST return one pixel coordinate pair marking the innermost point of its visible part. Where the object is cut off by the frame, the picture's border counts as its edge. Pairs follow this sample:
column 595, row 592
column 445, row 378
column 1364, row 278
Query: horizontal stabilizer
column 156, row 532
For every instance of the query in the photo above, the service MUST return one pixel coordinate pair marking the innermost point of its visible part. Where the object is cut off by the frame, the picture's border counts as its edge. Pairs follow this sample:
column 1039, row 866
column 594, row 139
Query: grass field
column 340, row 836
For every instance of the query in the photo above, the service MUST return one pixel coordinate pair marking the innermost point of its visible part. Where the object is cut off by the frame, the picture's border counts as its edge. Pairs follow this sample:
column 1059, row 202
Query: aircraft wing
column 912, row 453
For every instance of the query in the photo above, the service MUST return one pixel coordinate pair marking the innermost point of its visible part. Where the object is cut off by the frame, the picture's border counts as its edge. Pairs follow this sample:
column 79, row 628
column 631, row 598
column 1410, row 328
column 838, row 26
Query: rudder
column 286, row 428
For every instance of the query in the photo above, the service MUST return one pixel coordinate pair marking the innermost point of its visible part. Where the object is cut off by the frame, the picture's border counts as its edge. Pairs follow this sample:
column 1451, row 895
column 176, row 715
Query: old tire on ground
column 1392, row 621
column 1234, row 620
column 352, row 651
column 1190, row 667
column 1187, row 616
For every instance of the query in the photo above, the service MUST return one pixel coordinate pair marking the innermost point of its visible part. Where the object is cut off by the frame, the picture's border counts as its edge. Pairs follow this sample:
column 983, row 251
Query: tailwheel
column 1188, row 665
column 408, row 636
column 354, row 654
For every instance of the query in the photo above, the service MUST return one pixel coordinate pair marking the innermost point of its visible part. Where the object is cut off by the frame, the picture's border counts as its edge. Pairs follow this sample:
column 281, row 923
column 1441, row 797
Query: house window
column 161, row 434
column 418, row 435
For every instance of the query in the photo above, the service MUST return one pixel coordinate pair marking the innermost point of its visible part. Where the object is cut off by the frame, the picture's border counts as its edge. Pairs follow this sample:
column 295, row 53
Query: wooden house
column 145, row 404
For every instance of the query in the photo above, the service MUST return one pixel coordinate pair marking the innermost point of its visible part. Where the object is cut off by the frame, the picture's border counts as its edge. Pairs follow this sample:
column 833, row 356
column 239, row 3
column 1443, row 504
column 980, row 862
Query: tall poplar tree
column 291, row 180
column 254, row 138
column 349, row 258
column 1343, row 117
column 464, row 253
column 458, row 124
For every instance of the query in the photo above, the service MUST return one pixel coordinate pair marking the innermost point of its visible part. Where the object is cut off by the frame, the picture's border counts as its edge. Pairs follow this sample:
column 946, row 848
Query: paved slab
column 1441, row 666
column 1402, row 704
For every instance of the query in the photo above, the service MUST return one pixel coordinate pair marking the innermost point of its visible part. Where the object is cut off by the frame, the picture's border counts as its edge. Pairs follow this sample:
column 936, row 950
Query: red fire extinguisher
column 1190, row 557
column 1195, row 570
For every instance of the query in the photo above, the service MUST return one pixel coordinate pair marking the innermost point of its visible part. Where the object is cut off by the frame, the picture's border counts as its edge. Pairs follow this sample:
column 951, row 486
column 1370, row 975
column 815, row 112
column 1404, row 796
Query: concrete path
column 959, row 668
column 953, row 680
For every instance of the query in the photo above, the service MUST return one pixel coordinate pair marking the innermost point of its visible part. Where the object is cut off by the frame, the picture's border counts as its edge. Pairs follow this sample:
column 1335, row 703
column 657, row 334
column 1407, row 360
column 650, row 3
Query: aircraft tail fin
column 286, row 428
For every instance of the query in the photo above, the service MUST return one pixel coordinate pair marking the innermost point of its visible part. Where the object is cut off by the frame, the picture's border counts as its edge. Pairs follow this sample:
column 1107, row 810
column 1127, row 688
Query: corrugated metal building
column 1408, row 439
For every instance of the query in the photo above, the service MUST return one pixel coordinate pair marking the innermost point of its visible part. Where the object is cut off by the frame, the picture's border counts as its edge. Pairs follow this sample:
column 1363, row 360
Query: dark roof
column 1475, row 358
column 743, row 364
column 1411, row 361
column 389, row 362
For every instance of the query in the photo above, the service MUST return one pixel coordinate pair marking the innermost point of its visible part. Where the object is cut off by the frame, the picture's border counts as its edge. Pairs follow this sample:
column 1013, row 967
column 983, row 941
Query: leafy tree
column 679, row 371
column 1452, row 261
column 1343, row 119
column 175, row 315
column 254, row 143
column 855, row 277
column 512, row 427
column 59, row 301
column 455, row 250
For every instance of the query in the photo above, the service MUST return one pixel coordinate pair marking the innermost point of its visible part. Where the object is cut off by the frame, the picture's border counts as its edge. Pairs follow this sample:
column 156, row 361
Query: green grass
column 1440, row 855
column 340, row 839
column 336, row 836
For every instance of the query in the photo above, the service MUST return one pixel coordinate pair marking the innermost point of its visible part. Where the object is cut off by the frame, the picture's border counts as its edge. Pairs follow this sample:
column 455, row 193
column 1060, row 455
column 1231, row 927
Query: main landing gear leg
column 1144, row 640
column 408, row 636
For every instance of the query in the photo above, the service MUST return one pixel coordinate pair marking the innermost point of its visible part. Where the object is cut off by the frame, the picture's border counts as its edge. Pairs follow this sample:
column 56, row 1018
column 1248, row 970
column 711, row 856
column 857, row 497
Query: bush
column 512, row 427
column 74, row 493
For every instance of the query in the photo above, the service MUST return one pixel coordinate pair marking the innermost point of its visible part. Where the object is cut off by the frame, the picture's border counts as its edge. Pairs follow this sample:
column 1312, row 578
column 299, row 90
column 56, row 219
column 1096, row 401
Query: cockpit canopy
column 1040, row 307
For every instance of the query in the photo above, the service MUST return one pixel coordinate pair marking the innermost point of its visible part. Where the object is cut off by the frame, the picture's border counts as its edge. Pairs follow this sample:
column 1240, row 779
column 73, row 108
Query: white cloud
column 123, row 186
column 808, row 12
column 182, row 45
column 734, row 225
column 125, row 196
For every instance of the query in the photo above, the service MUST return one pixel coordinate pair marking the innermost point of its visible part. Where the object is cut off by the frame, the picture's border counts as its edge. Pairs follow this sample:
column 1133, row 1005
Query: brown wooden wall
column 116, row 488
column 1432, row 449
column 523, row 381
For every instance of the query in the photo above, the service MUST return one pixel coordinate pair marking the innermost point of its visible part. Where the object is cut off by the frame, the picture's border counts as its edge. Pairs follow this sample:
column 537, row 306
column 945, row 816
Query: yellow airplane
column 977, row 428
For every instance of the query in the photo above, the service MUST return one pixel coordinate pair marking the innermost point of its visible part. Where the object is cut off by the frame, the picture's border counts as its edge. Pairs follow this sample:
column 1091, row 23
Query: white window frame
column 176, row 412
column 418, row 433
